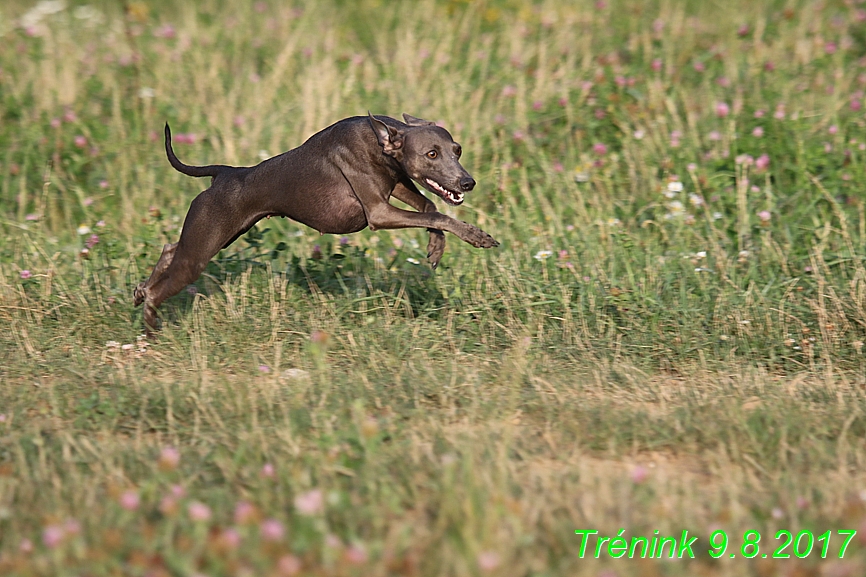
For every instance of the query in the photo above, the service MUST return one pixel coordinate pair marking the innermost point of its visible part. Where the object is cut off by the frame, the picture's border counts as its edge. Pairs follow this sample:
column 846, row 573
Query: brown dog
column 339, row 181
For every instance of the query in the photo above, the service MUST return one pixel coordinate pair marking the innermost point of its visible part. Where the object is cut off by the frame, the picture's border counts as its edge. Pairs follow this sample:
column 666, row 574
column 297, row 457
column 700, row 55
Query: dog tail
column 209, row 170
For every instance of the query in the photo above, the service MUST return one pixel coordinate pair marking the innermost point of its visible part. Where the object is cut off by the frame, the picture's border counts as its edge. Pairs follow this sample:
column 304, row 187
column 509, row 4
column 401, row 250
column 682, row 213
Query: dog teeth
column 455, row 197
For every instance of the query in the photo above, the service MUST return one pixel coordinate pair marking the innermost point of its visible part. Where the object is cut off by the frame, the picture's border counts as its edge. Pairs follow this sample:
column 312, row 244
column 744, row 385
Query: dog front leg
column 386, row 216
column 409, row 194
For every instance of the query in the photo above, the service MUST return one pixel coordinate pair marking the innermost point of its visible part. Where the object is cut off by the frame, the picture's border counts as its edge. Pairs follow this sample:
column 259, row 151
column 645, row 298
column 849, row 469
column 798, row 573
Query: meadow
column 670, row 337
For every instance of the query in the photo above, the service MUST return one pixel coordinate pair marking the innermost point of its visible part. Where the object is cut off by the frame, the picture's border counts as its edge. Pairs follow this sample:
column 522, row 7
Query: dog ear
column 390, row 139
column 412, row 121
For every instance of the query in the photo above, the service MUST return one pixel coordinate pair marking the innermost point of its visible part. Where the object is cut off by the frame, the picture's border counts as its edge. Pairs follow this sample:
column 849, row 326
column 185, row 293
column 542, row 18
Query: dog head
column 428, row 154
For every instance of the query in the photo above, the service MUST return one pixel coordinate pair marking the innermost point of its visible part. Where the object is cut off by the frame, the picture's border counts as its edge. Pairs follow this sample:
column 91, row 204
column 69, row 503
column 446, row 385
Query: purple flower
column 26, row 274
column 92, row 241
column 599, row 149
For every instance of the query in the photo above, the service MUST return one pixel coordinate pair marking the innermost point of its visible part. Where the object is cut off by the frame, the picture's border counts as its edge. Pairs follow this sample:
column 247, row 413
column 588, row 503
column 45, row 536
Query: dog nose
column 467, row 183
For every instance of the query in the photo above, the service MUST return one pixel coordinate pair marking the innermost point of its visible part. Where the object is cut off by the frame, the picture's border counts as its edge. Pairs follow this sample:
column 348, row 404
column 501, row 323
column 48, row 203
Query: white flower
column 543, row 254
column 696, row 199
column 83, row 229
column 701, row 254
column 146, row 92
column 413, row 260
column 264, row 154
column 717, row 215
column 675, row 186
column 112, row 345
column 639, row 134
column 676, row 207
column 669, row 194
column 581, row 176
column 89, row 14
column 613, row 222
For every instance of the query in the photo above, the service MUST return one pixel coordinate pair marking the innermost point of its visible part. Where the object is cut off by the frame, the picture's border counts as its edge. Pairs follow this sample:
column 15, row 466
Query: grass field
column 670, row 337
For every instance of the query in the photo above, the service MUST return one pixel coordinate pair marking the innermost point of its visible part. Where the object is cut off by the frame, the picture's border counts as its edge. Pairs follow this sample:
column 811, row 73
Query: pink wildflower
column 356, row 555
column 758, row 132
column 169, row 458
column 762, row 162
column 288, row 566
column 599, row 149
column 80, row 141
column 130, row 500
column 488, row 561
column 198, row 511
column 230, row 538
column 310, row 503
column 245, row 512
column 272, row 530
column 765, row 216
column 639, row 474
column 25, row 274
column 52, row 536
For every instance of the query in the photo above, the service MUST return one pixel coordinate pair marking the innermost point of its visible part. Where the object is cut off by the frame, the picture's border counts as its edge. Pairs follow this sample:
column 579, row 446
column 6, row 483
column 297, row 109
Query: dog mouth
column 449, row 196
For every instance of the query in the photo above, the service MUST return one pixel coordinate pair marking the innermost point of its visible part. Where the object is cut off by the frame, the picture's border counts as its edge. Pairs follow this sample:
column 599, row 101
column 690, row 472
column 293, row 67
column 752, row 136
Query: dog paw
column 139, row 294
column 435, row 247
column 480, row 239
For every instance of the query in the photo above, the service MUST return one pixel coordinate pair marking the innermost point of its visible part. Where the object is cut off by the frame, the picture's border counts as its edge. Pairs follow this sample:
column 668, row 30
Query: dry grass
column 634, row 356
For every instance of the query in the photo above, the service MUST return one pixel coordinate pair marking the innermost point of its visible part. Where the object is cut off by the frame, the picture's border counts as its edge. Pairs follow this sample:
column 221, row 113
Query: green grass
column 669, row 338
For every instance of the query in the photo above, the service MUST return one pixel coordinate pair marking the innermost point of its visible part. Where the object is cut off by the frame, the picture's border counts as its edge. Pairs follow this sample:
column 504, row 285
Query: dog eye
column 458, row 151
column 432, row 154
